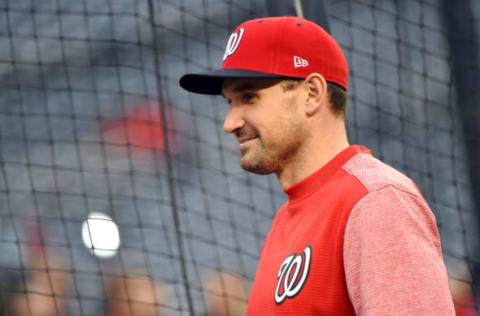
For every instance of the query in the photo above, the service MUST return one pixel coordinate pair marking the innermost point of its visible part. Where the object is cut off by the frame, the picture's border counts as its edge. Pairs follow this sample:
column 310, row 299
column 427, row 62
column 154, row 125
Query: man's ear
column 316, row 87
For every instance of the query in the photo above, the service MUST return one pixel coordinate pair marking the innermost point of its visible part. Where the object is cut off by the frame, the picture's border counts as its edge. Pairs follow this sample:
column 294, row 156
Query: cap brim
column 211, row 82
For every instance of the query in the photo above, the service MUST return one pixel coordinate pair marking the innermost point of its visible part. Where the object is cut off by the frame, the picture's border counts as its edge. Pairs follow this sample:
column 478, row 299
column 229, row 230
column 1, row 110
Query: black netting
column 92, row 120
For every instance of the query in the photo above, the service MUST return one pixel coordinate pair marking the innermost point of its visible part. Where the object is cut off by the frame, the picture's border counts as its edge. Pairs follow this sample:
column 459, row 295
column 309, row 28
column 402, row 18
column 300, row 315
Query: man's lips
column 246, row 139
column 245, row 142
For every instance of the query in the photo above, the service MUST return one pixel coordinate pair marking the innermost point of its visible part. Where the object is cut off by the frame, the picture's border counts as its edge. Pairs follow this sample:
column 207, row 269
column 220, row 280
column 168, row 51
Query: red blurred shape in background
column 142, row 129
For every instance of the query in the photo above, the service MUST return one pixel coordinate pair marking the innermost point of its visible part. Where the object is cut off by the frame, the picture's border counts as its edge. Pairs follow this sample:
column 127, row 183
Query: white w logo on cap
column 233, row 42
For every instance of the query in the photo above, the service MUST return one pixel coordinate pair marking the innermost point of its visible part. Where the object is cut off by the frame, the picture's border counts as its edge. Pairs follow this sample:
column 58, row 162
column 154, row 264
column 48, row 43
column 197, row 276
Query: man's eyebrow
column 244, row 87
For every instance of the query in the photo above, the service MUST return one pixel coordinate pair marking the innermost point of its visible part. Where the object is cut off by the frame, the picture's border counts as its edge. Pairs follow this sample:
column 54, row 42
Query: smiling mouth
column 247, row 140
column 245, row 143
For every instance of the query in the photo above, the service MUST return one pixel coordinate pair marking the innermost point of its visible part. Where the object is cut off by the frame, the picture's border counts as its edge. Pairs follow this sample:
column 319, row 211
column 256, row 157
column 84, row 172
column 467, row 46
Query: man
column 356, row 236
column 132, row 295
column 226, row 294
column 43, row 292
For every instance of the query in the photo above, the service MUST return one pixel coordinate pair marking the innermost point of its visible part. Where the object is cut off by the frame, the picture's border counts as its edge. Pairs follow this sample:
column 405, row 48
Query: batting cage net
column 120, row 191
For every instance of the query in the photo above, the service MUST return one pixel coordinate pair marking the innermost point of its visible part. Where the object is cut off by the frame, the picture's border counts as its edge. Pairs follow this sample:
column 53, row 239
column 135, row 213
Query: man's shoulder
column 374, row 174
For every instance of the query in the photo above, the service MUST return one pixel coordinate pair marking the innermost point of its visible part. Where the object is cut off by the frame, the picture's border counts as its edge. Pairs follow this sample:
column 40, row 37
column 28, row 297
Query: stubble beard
column 272, row 158
column 259, row 161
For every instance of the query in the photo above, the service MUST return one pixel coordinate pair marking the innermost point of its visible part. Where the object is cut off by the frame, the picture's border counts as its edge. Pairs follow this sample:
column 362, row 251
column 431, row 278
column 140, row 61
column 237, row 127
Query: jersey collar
column 314, row 181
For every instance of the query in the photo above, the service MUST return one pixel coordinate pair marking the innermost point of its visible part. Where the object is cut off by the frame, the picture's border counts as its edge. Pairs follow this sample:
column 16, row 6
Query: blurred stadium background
column 92, row 120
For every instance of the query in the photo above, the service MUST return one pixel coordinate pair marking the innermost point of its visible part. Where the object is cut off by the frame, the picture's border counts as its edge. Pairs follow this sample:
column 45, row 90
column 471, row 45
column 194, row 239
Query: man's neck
column 312, row 157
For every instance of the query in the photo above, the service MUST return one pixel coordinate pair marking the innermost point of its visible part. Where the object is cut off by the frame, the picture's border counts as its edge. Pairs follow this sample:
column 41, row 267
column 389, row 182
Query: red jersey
column 355, row 238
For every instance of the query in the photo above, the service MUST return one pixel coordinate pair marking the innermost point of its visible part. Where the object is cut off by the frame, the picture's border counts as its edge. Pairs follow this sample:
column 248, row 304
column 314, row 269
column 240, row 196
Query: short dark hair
column 337, row 94
column 338, row 99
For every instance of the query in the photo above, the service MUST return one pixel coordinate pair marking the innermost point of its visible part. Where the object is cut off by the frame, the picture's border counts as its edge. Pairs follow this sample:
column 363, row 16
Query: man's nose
column 234, row 120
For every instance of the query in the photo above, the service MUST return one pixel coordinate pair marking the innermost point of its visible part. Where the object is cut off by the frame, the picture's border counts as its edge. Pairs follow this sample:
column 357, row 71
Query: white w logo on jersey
column 233, row 42
column 292, row 275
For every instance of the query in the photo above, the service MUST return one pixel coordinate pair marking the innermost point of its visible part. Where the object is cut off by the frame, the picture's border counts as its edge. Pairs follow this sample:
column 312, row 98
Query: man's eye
column 247, row 98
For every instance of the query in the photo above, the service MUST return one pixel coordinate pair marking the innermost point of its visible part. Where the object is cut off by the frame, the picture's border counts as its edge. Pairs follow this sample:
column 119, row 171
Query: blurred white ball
column 100, row 234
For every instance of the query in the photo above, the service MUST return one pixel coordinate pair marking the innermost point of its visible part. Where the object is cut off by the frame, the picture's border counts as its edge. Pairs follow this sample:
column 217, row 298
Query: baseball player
column 356, row 236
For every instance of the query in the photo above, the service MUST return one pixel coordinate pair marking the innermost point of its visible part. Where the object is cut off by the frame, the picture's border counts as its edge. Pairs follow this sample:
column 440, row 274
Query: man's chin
column 254, row 166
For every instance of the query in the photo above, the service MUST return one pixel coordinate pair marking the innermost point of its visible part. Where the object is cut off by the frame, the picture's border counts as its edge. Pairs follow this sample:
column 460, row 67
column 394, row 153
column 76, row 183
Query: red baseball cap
column 274, row 47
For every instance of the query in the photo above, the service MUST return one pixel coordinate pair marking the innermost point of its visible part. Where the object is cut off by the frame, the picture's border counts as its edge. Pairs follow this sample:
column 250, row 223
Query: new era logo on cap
column 299, row 62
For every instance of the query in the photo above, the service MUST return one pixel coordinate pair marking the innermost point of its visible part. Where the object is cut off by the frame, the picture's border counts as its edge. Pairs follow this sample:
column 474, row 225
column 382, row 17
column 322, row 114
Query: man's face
column 266, row 121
